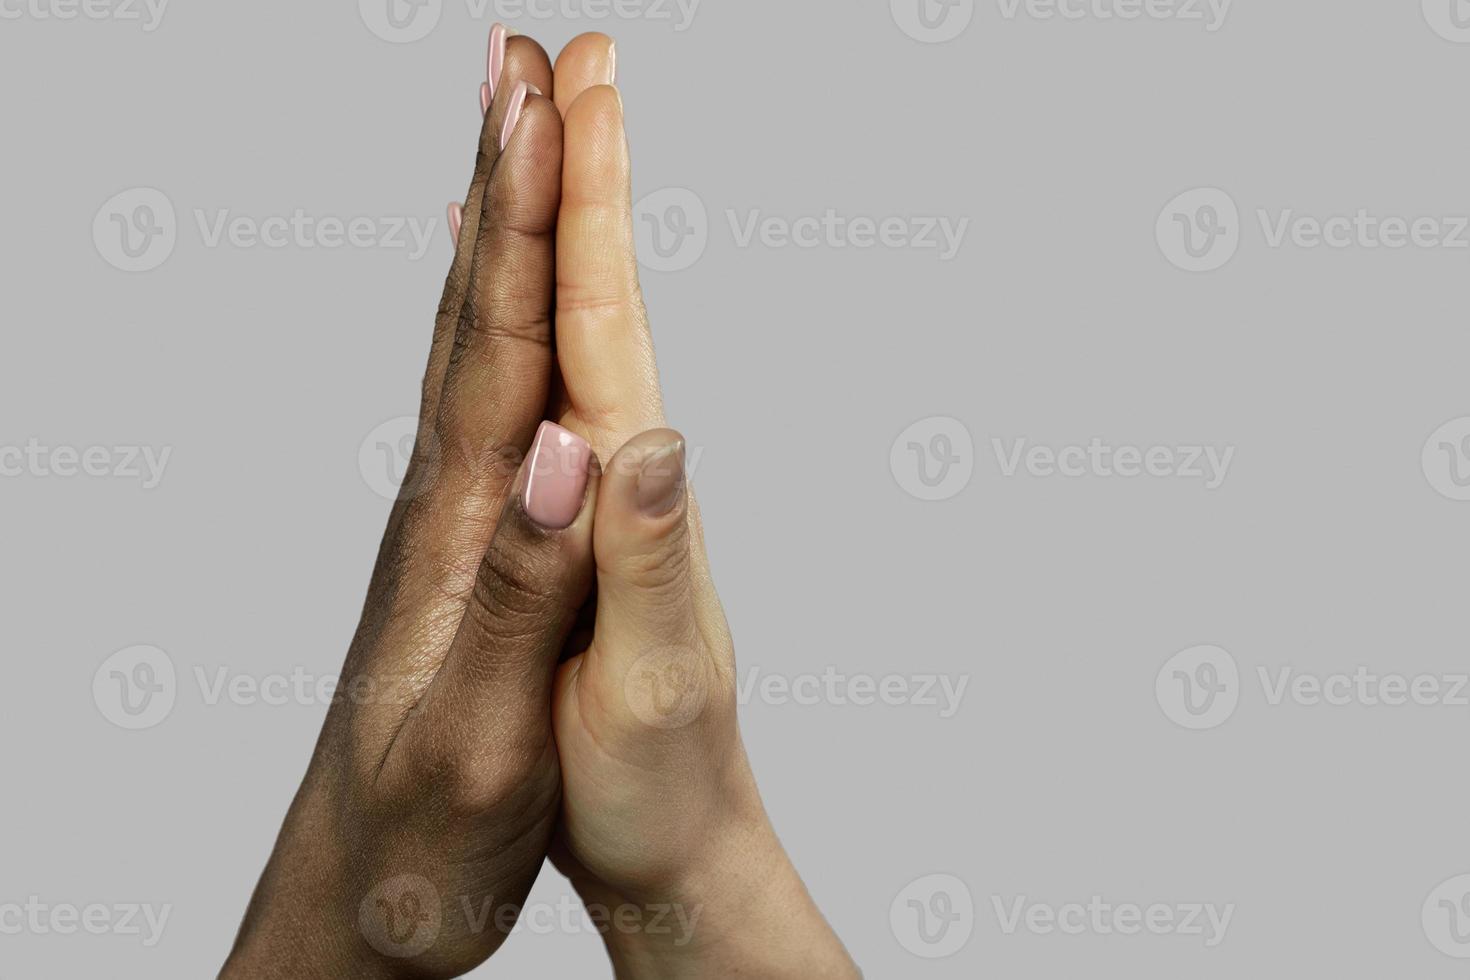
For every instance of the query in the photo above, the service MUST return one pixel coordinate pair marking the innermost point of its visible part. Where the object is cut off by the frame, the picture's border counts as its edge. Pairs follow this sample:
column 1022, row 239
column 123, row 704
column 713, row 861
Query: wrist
column 298, row 925
column 266, row 954
column 740, row 908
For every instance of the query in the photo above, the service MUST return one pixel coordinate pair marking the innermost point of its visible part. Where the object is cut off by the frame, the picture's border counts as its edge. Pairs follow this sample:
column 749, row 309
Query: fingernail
column 556, row 477
column 456, row 219
column 496, row 63
column 661, row 482
column 513, row 111
column 612, row 63
column 485, row 97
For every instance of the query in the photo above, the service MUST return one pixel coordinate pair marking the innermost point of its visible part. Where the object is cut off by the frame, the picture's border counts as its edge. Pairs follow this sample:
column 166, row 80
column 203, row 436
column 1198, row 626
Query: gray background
column 793, row 370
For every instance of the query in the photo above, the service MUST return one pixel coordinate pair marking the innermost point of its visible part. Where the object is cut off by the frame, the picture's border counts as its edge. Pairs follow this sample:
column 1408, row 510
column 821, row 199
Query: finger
column 494, row 66
column 499, row 367
column 519, row 58
column 603, row 343
column 587, row 60
column 494, row 687
column 645, row 592
column 464, row 461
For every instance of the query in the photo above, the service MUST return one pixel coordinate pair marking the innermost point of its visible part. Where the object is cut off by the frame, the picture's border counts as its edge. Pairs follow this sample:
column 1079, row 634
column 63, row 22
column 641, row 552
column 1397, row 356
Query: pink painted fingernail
column 496, row 64
column 485, row 98
column 513, row 110
column 612, row 63
column 456, row 219
column 555, row 477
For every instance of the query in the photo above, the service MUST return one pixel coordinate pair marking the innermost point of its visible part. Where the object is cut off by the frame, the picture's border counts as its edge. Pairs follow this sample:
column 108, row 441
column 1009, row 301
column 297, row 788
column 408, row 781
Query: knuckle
column 662, row 568
column 508, row 318
column 469, row 784
column 475, row 789
column 469, row 449
column 514, row 592
column 594, row 299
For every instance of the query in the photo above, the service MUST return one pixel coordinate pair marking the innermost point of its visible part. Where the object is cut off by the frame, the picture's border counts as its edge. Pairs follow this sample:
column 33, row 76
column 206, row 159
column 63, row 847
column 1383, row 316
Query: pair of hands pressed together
column 513, row 716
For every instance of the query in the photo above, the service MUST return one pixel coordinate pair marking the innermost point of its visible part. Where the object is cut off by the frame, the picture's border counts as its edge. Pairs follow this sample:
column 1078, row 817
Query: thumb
column 646, row 612
column 492, row 693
